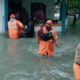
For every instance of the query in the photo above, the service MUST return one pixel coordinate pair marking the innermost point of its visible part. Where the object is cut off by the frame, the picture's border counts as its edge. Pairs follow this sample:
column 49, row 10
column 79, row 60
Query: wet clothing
column 76, row 66
column 44, row 36
column 46, row 47
column 15, row 27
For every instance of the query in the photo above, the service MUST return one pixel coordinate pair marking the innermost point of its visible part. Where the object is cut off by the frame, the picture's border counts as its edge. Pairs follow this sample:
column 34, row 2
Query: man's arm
column 56, row 39
column 21, row 26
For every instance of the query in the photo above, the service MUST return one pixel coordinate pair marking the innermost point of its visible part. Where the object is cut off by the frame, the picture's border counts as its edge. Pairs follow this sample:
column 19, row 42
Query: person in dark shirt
column 30, row 28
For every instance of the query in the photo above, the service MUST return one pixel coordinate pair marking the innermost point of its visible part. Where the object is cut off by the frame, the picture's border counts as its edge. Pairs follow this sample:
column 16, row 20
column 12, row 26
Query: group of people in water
column 46, row 37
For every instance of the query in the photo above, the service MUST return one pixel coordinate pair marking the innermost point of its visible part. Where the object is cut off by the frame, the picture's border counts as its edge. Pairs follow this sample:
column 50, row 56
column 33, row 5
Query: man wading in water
column 47, row 37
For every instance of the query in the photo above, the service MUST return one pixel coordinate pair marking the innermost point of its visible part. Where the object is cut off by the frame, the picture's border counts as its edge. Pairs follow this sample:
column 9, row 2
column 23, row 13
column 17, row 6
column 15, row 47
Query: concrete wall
column 49, row 6
column 1, row 16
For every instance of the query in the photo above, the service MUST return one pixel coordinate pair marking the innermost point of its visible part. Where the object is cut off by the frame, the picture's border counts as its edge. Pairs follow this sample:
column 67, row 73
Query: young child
column 40, row 30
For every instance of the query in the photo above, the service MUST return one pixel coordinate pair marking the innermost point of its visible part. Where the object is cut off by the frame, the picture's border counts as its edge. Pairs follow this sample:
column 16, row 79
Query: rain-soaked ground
column 19, row 59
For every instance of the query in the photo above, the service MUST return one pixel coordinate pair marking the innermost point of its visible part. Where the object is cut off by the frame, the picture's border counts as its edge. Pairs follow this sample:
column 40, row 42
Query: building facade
column 50, row 8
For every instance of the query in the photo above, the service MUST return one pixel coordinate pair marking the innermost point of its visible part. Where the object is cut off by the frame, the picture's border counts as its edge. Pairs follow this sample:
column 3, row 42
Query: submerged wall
column 50, row 8
column 1, row 16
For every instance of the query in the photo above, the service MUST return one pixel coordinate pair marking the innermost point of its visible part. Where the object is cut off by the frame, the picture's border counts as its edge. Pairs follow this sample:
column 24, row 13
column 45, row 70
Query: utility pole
column 63, row 15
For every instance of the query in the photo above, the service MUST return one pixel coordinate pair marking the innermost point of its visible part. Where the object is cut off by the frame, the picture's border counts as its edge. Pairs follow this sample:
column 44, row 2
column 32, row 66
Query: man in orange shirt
column 46, row 46
column 15, row 27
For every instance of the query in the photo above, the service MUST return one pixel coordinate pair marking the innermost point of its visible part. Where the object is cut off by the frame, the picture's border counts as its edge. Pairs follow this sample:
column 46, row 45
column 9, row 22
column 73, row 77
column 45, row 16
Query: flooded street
column 19, row 59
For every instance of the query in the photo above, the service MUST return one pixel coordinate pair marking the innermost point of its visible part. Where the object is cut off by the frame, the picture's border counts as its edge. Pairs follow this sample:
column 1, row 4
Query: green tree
column 73, row 8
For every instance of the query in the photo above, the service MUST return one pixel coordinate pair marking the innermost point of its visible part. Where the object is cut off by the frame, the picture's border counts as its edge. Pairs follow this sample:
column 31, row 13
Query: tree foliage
column 73, row 5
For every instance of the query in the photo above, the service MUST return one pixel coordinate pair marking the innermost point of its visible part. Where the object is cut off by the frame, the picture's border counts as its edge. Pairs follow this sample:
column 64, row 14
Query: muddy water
column 19, row 59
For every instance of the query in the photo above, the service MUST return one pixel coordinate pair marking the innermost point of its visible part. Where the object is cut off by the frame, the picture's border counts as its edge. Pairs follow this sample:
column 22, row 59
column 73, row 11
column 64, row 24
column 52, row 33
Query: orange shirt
column 47, row 47
column 13, row 28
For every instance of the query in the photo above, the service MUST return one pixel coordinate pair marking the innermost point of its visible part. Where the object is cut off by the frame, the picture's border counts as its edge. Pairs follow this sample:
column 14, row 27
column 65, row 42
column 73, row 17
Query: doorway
column 15, row 6
column 38, row 11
